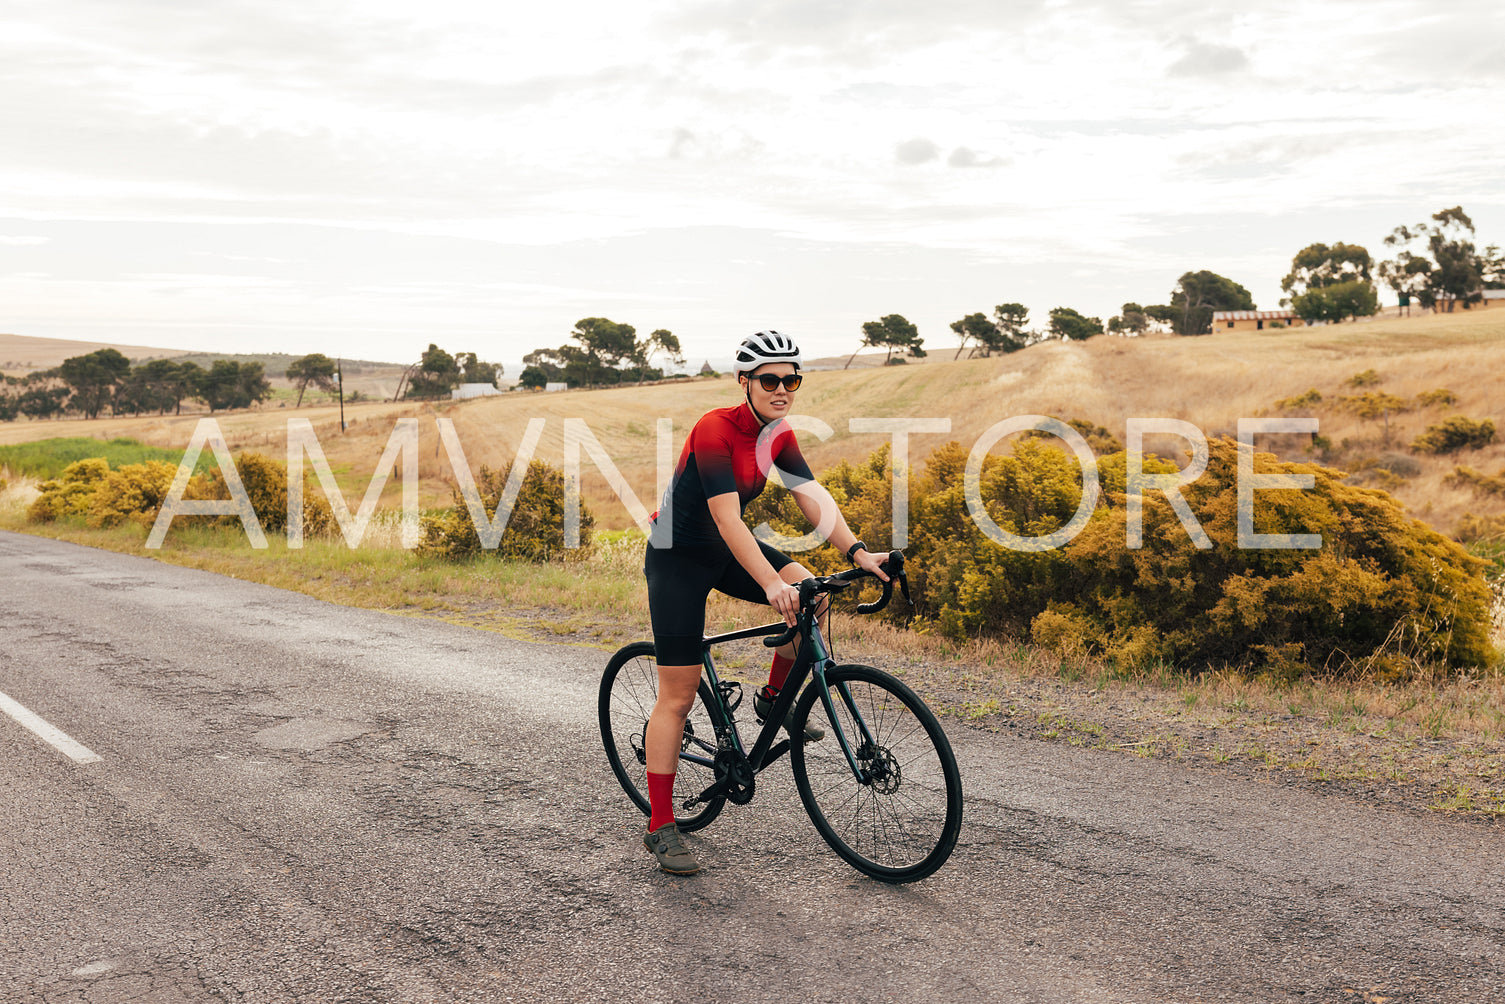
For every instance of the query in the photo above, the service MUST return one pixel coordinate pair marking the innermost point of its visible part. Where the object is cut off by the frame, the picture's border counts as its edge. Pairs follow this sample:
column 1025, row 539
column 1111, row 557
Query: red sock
column 779, row 671
column 660, row 799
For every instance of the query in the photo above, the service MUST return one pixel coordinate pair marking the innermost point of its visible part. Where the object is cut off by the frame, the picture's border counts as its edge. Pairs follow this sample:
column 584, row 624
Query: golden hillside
column 1210, row 381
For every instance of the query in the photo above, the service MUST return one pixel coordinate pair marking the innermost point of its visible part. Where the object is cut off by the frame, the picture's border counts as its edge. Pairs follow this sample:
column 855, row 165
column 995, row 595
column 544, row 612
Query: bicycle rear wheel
column 629, row 689
column 901, row 821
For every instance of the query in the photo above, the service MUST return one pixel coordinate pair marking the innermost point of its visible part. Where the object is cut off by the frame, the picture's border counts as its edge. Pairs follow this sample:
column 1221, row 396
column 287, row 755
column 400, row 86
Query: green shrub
column 1436, row 398
column 132, row 493
column 265, row 482
column 967, row 584
column 1368, row 378
column 1467, row 477
column 1454, row 434
column 1311, row 398
column 1387, row 471
column 1381, row 583
column 863, row 492
column 535, row 529
column 1473, row 529
column 1373, row 404
column 1099, row 439
column 71, row 494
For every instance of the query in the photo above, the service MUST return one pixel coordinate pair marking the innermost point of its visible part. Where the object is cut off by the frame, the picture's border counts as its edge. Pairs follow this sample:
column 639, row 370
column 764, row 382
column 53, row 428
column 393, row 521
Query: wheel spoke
column 902, row 824
column 629, row 692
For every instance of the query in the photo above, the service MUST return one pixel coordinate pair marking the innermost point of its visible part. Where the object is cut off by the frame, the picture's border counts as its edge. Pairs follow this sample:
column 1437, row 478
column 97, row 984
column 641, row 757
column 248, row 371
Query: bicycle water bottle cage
column 728, row 688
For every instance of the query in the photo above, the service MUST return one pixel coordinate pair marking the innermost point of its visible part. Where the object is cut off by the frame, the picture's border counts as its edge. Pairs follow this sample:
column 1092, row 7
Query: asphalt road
column 295, row 801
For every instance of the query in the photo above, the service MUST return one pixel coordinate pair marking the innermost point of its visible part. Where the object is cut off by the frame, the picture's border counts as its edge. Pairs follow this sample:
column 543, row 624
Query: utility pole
column 339, row 373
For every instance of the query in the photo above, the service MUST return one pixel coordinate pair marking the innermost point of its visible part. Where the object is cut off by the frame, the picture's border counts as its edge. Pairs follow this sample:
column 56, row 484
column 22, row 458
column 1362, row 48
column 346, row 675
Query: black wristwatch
column 853, row 549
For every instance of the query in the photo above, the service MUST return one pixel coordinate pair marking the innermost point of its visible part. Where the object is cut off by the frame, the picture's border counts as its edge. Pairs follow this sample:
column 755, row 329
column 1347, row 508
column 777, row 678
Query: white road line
column 50, row 734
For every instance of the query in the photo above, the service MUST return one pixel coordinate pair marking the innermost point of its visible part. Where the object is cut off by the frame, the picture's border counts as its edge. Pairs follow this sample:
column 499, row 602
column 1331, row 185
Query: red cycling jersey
column 721, row 456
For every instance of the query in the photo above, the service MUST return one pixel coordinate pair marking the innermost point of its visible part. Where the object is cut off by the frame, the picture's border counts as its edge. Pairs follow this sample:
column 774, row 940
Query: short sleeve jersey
column 721, row 456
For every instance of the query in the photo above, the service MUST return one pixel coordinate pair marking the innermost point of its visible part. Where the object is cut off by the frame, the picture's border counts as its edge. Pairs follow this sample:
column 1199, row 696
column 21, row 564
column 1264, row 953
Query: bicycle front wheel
column 900, row 820
column 629, row 689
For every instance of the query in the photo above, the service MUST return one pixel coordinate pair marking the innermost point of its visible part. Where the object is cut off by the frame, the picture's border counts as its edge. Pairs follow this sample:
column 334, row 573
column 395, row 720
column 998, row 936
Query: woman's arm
column 815, row 502
column 726, row 510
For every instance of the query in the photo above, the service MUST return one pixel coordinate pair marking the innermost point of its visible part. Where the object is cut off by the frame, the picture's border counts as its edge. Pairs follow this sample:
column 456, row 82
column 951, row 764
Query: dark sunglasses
column 770, row 382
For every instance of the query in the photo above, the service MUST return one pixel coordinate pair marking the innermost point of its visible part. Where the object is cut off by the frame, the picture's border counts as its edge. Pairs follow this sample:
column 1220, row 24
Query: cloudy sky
column 363, row 178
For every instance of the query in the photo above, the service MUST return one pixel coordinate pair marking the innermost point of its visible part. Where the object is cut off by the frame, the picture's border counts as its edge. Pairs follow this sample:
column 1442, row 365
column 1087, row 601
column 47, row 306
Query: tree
column 606, row 345
column 1163, row 314
column 185, row 384
column 1454, row 271
column 437, row 374
column 1196, row 296
column 160, row 384
column 893, row 331
column 1132, row 320
column 975, row 328
column 662, row 340
column 1493, row 262
column 474, row 370
column 315, row 368
column 253, row 387
column 1068, row 323
column 534, row 378
column 1336, row 303
column 229, row 384
column 546, row 361
column 1318, row 266
column 1331, row 283
column 10, row 400
column 42, row 402
column 93, row 379
column 1011, row 319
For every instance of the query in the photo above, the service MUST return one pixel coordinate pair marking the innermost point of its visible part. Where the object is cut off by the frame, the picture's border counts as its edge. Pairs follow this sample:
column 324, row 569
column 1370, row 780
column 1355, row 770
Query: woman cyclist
column 724, row 466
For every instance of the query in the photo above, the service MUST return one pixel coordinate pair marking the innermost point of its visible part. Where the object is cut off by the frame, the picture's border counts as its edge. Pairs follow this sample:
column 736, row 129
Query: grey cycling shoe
column 762, row 706
column 668, row 846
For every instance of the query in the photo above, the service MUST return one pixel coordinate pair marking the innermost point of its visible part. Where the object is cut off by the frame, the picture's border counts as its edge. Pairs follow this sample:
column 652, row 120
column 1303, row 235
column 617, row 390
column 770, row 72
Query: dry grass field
column 1210, row 381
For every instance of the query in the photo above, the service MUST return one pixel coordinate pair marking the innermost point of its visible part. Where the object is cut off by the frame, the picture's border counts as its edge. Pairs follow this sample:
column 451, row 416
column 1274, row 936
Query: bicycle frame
column 813, row 657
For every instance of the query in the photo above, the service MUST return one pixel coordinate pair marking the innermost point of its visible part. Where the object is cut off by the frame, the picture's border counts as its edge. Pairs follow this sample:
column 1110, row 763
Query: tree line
column 104, row 380
column 601, row 352
column 437, row 372
column 1436, row 265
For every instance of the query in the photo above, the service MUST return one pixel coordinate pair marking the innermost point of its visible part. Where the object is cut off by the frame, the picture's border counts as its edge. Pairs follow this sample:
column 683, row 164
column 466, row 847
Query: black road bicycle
column 882, row 786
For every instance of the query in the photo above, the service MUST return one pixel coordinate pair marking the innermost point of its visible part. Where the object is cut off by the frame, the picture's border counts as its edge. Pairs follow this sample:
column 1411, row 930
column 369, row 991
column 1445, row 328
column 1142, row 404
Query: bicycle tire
column 629, row 688
column 904, row 826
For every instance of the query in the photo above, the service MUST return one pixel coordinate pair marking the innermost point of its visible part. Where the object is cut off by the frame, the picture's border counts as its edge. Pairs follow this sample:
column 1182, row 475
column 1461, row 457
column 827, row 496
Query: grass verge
column 1436, row 744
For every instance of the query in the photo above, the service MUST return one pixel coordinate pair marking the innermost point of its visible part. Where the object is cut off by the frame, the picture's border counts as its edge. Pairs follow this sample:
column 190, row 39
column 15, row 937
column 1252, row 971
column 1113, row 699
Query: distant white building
column 556, row 386
column 469, row 390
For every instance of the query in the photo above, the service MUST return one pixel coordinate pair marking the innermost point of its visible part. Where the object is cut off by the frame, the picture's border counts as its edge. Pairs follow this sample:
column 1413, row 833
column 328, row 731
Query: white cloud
column 21, row 240
column 916, row 151
column 1204, row 60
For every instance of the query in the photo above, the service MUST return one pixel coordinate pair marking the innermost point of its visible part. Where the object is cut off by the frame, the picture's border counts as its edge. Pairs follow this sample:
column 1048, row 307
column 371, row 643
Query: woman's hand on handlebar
column 785, row 599
column 870, row 562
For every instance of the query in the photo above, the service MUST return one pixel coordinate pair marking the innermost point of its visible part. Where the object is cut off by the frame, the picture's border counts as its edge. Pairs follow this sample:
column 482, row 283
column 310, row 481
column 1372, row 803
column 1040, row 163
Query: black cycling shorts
column 680, row 580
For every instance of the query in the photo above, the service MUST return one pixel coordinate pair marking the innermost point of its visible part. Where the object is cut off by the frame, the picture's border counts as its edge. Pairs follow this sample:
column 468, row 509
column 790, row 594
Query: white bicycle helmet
column 765, row 347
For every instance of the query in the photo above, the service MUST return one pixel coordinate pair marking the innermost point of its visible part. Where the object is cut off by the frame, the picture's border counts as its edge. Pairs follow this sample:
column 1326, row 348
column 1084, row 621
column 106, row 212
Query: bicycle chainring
column 731, row 766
